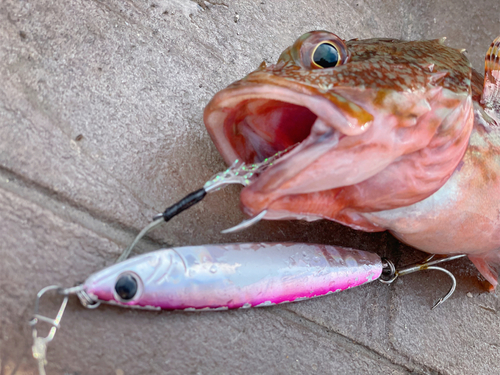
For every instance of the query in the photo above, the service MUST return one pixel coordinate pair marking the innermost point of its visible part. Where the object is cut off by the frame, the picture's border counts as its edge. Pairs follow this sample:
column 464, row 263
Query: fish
column 384, row 134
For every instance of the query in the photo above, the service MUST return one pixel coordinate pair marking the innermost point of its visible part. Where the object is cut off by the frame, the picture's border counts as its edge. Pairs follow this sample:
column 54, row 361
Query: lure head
column 380, row 123
column 137, row 281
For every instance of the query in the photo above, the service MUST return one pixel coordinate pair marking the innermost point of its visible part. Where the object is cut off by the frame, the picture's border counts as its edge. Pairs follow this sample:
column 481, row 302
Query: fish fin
column 437, row 77
column 439, row 40
column 488, row 265
column 491, row 91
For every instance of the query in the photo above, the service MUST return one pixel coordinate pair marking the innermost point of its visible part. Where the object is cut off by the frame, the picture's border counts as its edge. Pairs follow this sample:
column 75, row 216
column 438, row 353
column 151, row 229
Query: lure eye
column 325, row 55
column 320, row 50
column 126, row 287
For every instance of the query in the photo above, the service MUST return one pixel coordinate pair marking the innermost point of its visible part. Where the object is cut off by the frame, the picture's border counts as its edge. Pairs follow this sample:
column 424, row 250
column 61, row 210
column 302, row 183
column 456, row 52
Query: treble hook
column 390, row 273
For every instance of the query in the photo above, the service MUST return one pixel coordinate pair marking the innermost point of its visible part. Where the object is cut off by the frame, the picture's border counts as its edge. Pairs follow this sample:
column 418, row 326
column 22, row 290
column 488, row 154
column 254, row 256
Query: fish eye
column 325, row 55
column 319, row 50
column 126, row 287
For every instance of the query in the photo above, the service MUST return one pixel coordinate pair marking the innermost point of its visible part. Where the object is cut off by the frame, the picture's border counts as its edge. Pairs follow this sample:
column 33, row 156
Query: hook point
column 245, row 223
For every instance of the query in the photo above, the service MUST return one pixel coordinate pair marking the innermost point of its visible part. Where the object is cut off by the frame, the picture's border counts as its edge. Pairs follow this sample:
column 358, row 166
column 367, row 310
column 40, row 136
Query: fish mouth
column 256, row 128
column 354, row 153
column 251, row 121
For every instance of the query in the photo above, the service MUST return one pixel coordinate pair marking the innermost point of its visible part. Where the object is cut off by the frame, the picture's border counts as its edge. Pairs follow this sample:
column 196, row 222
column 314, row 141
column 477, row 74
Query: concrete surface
column 101, row 127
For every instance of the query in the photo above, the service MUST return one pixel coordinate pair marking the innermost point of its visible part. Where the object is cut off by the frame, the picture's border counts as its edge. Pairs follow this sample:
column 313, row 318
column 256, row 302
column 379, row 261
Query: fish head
column 365, row 117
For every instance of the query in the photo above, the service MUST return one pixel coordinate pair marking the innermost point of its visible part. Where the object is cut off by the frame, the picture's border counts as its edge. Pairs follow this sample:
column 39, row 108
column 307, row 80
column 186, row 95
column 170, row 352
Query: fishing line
column 238, row 173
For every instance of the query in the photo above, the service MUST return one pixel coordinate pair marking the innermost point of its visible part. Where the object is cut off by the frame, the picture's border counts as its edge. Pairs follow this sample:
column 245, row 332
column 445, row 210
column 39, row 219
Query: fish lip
column 260, row 85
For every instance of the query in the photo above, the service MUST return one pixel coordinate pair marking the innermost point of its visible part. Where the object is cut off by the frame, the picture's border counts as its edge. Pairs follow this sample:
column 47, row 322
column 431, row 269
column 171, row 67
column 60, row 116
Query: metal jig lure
column 221, row 277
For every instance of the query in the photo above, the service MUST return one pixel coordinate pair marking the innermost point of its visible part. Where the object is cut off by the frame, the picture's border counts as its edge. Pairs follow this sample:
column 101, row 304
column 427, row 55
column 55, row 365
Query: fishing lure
column 231, row 276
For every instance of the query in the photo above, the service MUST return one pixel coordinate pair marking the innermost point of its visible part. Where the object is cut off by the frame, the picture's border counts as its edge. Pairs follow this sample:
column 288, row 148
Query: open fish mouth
column 253, row 121
column 257, row 128
column 257, row 123
column 346, row 139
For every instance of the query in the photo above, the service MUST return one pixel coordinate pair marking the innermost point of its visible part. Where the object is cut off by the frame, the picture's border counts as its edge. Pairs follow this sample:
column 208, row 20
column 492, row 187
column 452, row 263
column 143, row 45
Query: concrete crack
column 349, row 342
column 59, row 204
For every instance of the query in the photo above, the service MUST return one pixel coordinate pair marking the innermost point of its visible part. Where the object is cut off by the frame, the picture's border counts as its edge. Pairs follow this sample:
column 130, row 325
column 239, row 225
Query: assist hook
column 238, row 173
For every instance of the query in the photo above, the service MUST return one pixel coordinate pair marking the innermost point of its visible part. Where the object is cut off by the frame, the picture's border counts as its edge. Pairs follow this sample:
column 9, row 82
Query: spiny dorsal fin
column 440, row 40
column 491, row 91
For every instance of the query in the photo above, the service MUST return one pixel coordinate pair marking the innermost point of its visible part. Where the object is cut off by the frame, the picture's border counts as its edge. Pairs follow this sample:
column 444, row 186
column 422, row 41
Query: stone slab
column 101, row 127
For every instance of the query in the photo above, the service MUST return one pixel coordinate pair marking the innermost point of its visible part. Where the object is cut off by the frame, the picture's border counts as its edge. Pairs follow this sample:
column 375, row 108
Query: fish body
column 232, row 276
column 392, row 135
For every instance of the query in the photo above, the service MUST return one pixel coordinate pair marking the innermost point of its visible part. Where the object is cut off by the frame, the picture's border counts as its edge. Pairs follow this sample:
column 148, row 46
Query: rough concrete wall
column 101, row 127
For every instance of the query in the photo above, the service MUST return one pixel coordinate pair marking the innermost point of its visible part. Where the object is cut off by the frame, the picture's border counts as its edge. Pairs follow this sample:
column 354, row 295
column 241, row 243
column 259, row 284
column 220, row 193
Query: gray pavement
column 101, row 127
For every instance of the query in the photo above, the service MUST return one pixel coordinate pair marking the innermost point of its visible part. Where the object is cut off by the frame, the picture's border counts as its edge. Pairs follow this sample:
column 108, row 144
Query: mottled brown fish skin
column 395, row 136
column 384, row 64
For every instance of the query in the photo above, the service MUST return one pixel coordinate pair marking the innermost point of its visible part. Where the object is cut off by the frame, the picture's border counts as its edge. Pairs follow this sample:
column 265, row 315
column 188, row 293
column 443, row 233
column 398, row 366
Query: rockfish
column 392, row 135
